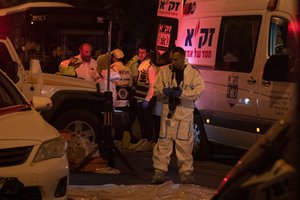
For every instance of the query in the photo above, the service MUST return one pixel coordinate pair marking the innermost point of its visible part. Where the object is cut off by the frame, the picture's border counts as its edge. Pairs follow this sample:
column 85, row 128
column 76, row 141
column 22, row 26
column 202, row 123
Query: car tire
column 203, row 149
column 80, row 122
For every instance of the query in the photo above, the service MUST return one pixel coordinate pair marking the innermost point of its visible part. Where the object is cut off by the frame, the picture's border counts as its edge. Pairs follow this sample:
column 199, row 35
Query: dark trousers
column 120, row 130
column 144, row 116
column 146, row 120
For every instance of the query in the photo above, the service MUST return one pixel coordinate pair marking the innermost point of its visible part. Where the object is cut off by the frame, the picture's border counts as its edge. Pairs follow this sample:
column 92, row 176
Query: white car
column 33, row 162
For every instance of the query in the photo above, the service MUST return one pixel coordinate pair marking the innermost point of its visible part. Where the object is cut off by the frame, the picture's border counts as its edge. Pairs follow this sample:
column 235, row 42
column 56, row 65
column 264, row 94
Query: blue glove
column 145, row 104
column 167, row 91
column 176, row 93
column 172, row 92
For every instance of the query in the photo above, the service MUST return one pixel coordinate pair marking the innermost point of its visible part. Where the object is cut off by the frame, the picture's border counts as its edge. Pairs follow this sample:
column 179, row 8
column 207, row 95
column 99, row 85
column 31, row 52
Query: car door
column 236, row 88
column 277, row 95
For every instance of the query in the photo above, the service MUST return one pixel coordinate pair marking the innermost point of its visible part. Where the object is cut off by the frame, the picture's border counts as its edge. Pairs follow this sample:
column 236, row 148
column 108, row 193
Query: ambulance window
column 282, row 44
column 237, row 43
column 278, row 36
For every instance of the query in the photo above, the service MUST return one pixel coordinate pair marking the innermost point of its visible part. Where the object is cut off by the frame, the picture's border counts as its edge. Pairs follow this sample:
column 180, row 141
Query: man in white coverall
column 179, row 85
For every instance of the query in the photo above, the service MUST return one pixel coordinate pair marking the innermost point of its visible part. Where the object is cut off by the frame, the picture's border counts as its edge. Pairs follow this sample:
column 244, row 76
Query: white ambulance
column 246, row 52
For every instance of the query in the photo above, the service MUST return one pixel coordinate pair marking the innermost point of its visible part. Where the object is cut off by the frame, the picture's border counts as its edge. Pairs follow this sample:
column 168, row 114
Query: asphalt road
column 207, row 173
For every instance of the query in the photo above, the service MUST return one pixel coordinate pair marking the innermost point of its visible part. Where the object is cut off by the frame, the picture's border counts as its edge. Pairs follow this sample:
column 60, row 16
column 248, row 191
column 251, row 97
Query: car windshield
column 10, row 98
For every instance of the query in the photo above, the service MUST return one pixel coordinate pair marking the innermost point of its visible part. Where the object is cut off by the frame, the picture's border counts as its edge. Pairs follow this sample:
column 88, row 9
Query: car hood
column 55, row 79
column 53, row 83
column 25, row 125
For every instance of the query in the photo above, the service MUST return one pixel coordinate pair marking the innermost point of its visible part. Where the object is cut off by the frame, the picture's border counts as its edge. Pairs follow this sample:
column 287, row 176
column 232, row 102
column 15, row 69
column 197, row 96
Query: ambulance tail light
column 294, row 27
column 297, row 24
column 272, row 4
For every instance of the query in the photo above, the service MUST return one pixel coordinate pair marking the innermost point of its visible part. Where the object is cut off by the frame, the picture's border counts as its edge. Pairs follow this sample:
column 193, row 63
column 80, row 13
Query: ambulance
column 246, row 53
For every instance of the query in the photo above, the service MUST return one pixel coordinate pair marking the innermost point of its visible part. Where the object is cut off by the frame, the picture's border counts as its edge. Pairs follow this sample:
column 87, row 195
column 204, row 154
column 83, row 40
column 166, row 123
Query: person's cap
column 118, row 53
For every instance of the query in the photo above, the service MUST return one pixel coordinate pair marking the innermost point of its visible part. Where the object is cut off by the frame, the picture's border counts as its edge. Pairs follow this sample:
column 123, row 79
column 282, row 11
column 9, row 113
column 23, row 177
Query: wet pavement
column 164, row 191
column 129, row 185
column 206, row 173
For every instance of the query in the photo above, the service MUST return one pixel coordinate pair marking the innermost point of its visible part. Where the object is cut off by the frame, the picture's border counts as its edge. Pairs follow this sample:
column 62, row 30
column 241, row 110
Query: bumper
column 49, row 177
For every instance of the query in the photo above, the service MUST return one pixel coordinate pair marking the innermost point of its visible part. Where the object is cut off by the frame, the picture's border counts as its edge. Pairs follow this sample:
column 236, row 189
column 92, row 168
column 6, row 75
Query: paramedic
column 144, row 96
column 82, row 66
column 122, row 90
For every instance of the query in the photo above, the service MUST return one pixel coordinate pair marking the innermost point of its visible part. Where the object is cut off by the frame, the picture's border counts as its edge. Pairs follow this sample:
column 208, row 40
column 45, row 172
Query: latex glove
column 145, row 104
column 176, row 93
column 167, row 91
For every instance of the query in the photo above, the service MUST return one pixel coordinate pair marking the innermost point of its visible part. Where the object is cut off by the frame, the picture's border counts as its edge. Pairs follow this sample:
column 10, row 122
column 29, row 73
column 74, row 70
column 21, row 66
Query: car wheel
column 203, row 150
column 80, row 123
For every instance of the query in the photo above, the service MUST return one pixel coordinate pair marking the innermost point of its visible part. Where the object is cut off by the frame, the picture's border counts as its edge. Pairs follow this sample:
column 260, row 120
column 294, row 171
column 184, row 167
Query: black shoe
column 186, row 177
column 159, row 177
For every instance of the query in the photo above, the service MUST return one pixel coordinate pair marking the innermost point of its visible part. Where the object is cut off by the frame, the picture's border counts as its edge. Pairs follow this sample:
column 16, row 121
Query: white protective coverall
column 179, row 127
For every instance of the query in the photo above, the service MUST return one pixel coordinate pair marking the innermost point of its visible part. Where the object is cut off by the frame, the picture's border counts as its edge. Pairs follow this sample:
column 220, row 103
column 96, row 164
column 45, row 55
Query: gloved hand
column 145, row 104
column 167, row 91
column 176, row 93
column 172, row 92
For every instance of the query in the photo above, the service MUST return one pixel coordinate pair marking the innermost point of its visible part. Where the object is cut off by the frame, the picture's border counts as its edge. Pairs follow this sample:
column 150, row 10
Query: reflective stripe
column 67, row 71
column 142, row 86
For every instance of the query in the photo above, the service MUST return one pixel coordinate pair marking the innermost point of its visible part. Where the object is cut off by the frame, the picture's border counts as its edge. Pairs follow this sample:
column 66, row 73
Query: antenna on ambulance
column 109, row 54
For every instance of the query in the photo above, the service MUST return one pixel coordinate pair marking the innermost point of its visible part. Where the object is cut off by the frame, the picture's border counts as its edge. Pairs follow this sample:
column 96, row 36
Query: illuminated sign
column 167, row 8
column 163, row 38
column 199, row 39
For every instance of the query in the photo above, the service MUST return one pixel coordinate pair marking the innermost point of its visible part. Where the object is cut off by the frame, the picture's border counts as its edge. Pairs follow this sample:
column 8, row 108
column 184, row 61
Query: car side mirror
column 277, row 68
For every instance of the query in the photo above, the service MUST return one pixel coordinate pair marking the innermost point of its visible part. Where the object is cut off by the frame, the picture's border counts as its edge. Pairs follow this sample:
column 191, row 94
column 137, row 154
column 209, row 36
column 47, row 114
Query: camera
column 173, row 103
